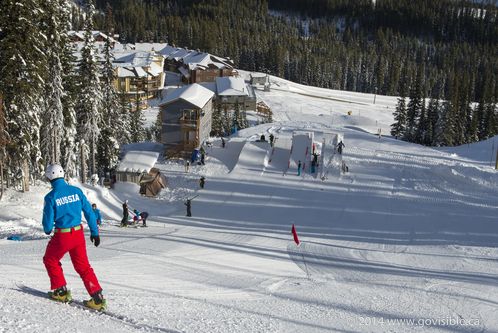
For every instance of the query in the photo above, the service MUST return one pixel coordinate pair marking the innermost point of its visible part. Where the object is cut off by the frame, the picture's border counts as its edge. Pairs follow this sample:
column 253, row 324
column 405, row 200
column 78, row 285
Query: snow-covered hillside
column 406, row 241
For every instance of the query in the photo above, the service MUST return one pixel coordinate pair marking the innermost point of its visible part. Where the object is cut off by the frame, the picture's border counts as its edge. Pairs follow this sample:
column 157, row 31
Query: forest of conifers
column 444, row 49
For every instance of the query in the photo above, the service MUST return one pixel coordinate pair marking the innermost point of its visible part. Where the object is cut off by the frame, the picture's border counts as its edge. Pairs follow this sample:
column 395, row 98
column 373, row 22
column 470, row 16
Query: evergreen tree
column 22, row 73
column 52, row 116
column 414, row 108
column 111, row 125
column 421, row 135
column 432, row 119
column 137, row 131
column 398, row 128
column 70, row 85
column 217, row 121
column 90, row 95
column 124, row 121
column 445, row 127
column 238, row 117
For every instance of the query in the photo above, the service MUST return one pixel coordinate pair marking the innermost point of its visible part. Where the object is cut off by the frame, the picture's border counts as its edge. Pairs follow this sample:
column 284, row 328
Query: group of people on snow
column 137, row 216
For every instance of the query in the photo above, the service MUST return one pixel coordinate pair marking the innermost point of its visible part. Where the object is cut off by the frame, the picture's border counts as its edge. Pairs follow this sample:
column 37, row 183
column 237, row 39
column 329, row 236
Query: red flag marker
column 294, row 233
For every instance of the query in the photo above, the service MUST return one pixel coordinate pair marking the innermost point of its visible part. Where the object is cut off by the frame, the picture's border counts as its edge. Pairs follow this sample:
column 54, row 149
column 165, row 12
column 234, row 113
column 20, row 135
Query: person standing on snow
column 124, row 221
column 272, row 138
column 98, row 216
column 340, row 145
column 188, row 203
column 202, row 181
column 299, row 168
column 62, row 209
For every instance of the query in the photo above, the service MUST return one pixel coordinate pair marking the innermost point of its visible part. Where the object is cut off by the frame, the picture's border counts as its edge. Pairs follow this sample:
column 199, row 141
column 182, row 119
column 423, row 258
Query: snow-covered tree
column 70, row 83
column 111, row 125
column 217, row 121
column 137, row 126
column 22, row 72
column 52, row 116
column 89, row 104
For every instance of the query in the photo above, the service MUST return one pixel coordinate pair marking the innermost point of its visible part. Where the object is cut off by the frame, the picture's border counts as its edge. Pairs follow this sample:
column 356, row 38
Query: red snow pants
column 74, row 243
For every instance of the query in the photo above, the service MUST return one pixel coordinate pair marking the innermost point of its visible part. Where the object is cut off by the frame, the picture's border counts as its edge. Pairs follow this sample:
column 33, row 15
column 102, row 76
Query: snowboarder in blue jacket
column 62, row 214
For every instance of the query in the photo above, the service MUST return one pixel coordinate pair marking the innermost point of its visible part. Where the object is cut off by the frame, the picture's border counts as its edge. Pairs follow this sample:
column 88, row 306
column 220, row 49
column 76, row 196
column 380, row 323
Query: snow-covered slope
column 406, row 241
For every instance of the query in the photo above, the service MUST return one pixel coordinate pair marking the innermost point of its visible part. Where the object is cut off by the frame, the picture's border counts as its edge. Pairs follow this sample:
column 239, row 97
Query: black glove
column 95, row 240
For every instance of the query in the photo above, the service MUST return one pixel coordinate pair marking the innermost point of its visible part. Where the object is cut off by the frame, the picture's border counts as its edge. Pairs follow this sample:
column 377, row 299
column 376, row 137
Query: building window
column 190, row 114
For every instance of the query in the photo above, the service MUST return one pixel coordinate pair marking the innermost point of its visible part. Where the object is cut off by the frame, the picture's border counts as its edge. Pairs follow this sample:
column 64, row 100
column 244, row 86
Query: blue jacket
column 63, row 205
column 98, row 217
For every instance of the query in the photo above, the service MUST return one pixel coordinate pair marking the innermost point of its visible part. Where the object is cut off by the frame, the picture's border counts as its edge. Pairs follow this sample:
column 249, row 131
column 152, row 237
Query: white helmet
column 54, row 171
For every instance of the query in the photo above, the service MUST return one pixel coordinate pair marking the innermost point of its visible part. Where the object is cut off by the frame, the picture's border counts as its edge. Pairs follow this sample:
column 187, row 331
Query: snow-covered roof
column 140, row 157
column 209, row 85
column 190, row 58
column 231, row 86
column 194, row 94
column 134, row 58
column 95, row 33
column 150, row 46
column 138, row 161
column 154, row 69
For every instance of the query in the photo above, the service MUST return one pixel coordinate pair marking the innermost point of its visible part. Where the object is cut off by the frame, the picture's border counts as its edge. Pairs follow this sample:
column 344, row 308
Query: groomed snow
column 407, row 241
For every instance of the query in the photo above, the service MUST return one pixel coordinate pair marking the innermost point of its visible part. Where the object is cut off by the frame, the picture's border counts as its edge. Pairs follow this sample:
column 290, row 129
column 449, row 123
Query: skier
column 299, row 168
column 144, row 216
column 202, row 181
column 124, row 221
column 272, row 138
column 340, row 145
column 203, row 155
column 62, row 209
column 97, row 214
column 187, row 165
column 188, row 203
column 222, row 142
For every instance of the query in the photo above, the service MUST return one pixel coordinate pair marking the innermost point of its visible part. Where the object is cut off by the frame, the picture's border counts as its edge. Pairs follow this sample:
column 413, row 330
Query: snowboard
column 74, row 302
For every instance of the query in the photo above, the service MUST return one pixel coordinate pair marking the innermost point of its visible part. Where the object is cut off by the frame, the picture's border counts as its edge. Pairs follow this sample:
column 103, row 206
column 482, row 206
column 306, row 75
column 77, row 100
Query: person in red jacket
column 62, row 214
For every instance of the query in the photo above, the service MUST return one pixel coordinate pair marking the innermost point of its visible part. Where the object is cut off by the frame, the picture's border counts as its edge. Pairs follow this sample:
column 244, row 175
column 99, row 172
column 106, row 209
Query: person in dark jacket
column 340, row 146
column 62, row 214
column 188, row 203
column 124, row 221
column 144, row 216
column 202, row 181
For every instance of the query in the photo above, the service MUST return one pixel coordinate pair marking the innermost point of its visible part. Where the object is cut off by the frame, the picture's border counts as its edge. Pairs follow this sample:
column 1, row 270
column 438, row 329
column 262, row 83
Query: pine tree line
column 359, row 46
column 448, row 119
column 57, row 109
